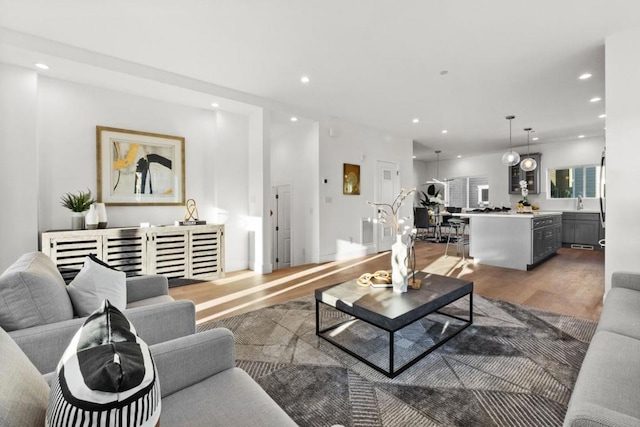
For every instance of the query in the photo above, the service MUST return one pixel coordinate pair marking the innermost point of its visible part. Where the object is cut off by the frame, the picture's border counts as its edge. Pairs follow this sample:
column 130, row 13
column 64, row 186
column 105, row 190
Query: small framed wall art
column 139, row 168
column 351, row 179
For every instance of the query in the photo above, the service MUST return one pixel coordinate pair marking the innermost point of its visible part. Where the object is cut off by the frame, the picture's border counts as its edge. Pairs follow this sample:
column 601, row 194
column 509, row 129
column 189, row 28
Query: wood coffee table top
column 390, row 310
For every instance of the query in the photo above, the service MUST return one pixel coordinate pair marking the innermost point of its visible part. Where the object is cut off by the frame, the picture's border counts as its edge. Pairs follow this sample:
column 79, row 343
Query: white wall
column 340, row 214
column 18, row 163
column 216, row 153
column 554, row 156
column 623, row 151
column 294, row 161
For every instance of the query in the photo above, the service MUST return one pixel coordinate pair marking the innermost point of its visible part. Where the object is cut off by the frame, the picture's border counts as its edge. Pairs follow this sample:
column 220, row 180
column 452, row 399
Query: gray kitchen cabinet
column 532, row 177
column 545, row 237
column 581, row 230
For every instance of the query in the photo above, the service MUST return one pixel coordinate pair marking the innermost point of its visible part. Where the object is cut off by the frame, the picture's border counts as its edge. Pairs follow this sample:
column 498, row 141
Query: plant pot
column 77, row 220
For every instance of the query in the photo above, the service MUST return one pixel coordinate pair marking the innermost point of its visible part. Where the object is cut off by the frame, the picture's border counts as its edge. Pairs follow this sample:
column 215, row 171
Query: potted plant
column 77, row 204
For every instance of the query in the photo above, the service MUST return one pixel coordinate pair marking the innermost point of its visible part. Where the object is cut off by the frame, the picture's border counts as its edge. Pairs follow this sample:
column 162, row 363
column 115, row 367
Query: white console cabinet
column 194, row 252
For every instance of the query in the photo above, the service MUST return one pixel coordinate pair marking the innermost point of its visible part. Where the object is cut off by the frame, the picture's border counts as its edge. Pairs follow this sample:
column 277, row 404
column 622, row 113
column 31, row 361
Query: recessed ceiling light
column 305, row 79
column 444, row 131
column 215, row 104
column 459, row 156
column 294, row 119
column 416, row 120
column 535, row 138
column 596, row 99
column 585, row 76
column 414, row 157
column 602, row 116
column 42, row 66
column 580, row 136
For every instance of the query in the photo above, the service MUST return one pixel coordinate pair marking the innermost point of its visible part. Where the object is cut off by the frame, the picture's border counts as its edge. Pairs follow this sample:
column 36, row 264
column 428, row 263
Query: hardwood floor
column 570, row 283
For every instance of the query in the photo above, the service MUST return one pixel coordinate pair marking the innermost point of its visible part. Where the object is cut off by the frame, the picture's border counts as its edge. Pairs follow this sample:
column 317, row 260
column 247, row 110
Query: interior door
column 282, row 227
column 387, row 188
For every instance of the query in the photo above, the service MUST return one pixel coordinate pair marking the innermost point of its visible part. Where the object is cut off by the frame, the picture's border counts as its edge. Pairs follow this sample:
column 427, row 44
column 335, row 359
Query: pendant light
column 528, row 164
column 510, row 158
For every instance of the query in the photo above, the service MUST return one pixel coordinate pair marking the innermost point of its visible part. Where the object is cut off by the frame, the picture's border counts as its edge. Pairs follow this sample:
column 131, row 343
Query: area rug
column 514, row 366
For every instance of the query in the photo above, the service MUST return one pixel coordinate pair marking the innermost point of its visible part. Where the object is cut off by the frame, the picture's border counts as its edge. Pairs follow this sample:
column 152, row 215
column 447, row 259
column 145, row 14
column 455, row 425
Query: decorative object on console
column 77, row 204
column 351, row 179
column 510, row 158
column 91, row 218
column 139, row 168
column 388, row 214
column 191, row 217
column 529, row 163
column 102, row 214
column 107, row 373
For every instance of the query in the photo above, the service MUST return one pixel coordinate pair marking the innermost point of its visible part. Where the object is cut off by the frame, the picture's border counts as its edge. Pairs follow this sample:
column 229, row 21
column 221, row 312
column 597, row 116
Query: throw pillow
column 23, row 392
column 32, row 292
column 96, row 282
column 106, row 376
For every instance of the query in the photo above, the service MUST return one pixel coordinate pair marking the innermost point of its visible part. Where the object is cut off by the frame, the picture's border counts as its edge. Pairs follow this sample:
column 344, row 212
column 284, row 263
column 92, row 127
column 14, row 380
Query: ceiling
column 459, row 65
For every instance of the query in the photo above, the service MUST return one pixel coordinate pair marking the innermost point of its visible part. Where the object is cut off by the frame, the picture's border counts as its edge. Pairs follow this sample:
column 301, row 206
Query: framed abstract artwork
column 139, row 168
column 351, row 179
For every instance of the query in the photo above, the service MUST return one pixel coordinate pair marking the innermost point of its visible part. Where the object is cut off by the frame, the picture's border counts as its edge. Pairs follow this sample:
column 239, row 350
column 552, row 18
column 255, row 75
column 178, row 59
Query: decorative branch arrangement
column 388, row 212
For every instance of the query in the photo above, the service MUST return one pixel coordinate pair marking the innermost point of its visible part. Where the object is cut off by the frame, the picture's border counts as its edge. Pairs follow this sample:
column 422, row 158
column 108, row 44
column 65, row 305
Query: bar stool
column 458, row 228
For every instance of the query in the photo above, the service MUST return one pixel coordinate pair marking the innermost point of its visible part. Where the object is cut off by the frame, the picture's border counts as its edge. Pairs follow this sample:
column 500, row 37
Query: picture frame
column 351, row 179
column 137, row 168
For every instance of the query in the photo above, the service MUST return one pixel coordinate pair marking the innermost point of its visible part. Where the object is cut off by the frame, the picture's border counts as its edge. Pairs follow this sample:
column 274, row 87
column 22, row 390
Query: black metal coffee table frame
column 393, row 325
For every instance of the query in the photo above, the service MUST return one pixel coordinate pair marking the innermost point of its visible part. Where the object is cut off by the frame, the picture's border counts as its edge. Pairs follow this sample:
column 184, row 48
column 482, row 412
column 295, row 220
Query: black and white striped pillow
column 106, row 376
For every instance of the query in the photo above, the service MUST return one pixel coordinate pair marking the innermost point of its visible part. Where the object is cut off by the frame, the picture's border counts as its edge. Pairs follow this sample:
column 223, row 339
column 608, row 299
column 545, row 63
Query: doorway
column 281, row 253
column 387, row 187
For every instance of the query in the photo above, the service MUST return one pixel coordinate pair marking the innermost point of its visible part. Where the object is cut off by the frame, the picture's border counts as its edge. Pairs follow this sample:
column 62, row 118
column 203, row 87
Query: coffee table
column 391, row 312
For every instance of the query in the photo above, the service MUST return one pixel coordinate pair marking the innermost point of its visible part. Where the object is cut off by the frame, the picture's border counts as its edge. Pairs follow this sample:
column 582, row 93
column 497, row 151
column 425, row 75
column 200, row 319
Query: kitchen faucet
column 580, row 207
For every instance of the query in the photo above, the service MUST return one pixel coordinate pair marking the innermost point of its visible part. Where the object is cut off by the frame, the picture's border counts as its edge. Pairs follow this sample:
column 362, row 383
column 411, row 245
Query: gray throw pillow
column 32, row 292
column 105, row 377
column 96, row 282
column 24, row 394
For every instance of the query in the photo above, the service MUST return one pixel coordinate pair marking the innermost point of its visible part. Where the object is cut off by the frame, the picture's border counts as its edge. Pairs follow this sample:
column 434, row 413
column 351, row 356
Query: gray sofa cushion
column 230, row 398
column 24, row 394
column 606, row 392
column 32, row 292
column 621, row 313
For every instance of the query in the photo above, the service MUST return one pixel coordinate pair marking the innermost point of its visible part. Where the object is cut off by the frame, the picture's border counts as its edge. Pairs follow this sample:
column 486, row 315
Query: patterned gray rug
column 513, row 366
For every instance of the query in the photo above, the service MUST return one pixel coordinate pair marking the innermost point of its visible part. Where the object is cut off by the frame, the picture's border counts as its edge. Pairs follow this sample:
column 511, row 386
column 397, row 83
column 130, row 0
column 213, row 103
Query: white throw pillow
column 94, row 283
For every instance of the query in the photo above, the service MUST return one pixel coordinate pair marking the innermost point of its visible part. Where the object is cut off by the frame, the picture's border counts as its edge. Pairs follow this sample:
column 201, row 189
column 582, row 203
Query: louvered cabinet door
column 206, row 245
column 68, row 250
column 167, row 252
column 126, row 250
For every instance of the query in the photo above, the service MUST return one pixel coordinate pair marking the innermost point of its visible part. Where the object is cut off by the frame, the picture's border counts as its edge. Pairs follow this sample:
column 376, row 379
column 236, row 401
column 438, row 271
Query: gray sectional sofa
column 37, row 312
column 200, row 384
column 607, row 391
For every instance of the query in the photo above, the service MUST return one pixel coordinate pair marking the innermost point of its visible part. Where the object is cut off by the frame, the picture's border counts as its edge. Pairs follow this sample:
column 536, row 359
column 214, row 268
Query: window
column 467, row 192
column 569, row 183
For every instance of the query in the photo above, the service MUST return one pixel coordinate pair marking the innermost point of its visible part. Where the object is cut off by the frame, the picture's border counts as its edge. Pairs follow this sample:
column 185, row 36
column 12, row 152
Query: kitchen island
column 514, row 240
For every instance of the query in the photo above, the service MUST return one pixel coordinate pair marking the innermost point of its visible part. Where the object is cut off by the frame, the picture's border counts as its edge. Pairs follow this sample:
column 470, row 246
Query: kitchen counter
column 513, row 240
column 534, row 214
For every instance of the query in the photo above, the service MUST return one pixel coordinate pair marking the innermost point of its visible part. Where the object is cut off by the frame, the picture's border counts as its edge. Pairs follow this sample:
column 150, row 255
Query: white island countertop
column 510, row 214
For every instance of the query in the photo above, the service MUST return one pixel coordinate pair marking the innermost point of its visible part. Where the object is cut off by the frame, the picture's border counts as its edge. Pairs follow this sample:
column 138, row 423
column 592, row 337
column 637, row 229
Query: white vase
column 399, row 270
column 77, row 220
column 91, row 219
column 102, row 215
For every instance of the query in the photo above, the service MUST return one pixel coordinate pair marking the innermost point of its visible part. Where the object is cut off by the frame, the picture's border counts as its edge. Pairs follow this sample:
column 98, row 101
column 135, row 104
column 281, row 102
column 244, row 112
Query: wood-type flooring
column 571, row 283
